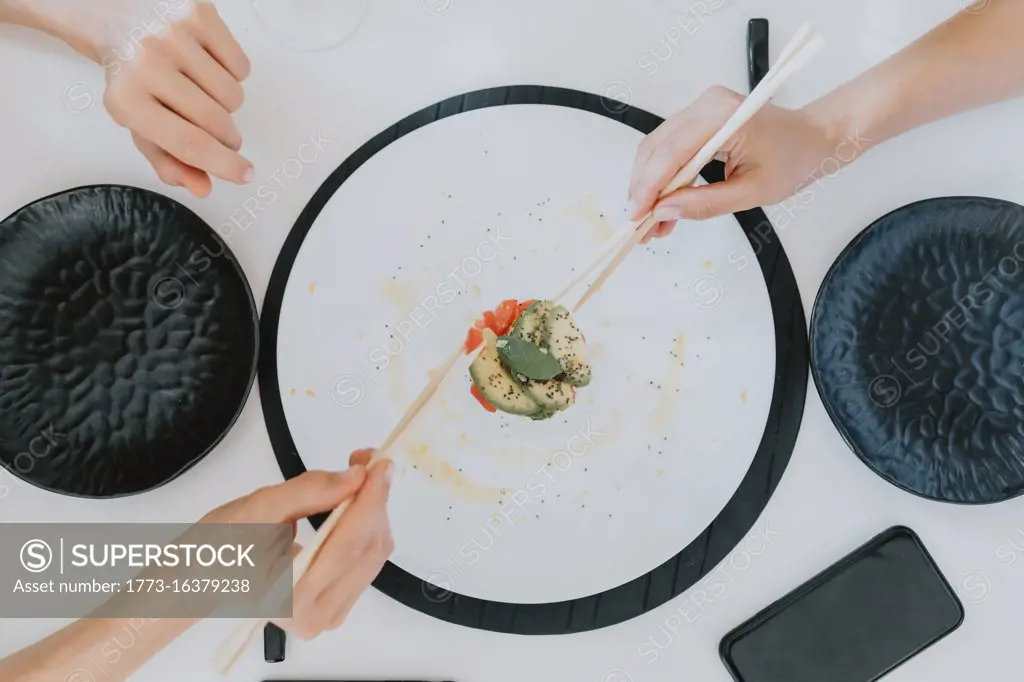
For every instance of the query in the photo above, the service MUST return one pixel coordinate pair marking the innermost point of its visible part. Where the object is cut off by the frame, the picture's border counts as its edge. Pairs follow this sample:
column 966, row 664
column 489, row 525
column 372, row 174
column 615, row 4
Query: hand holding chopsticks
column 242, row 634
column 794, row 56
column 345, row 563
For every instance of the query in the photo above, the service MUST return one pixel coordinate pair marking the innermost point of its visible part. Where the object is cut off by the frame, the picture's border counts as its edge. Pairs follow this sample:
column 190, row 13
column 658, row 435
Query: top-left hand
column 177, row 95
column 174, row 77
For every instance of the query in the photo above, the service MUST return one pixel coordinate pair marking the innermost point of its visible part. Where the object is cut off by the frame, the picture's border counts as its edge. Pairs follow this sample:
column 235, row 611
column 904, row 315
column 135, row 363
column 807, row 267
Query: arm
column 97, row 646
column 112, row 649
column 177, row 88
column 974, row 59
column 25, row 13
column 971, row 60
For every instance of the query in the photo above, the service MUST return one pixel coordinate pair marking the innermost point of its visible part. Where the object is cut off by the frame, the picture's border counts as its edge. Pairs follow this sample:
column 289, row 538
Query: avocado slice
column 564, row 341
column 531, row 324
column 552, row 395
column 543, row 414
column 496, row 383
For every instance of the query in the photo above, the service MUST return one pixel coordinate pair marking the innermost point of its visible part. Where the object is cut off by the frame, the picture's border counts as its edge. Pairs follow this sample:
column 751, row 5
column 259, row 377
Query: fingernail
column 250, row 175
column 389, row 469
column 631, row 207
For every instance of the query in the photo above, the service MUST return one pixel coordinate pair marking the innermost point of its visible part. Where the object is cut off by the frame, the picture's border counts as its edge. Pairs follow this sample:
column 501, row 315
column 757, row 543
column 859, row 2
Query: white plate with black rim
column 613, row 506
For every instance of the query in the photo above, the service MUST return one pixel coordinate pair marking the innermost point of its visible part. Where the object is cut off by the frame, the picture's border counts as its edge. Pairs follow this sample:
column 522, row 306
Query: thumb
column 378, row 486
column 310, row 493
column 378, row 479
column 708, row 201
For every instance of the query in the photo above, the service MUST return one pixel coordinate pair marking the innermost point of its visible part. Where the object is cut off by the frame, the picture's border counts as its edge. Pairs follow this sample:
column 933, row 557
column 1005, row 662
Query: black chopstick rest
column 758, row 59
column 274, row 640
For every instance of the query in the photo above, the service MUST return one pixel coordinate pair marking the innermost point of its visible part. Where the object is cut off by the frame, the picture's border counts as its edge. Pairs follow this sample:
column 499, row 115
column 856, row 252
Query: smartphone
column 881, row 605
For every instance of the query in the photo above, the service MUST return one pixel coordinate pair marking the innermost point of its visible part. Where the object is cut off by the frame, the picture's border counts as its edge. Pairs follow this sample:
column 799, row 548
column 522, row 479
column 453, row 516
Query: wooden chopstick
column 634, row 238
column 794, row 56
column 613, row 245
column 241, row 635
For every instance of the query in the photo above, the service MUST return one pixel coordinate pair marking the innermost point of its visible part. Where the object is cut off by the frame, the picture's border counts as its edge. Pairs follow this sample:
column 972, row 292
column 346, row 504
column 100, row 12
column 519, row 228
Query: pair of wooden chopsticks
column 794, row 56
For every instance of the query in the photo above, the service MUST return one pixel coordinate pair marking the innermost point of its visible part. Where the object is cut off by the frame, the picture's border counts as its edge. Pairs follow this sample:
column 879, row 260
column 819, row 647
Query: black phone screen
column 854, row 622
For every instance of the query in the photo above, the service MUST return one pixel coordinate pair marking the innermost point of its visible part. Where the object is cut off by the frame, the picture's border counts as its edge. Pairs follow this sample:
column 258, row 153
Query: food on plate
column 533, row 359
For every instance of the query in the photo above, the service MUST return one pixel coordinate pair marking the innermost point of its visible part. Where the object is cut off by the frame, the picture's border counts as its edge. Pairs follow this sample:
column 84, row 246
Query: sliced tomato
column 505, row 315
column 524, row 305
column 499, row 321
column 473, row 339
column 481, row 399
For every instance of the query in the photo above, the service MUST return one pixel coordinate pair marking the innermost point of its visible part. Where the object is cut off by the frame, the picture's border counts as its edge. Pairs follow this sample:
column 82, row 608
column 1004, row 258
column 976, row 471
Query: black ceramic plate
column 917, row 348
column 128, row 341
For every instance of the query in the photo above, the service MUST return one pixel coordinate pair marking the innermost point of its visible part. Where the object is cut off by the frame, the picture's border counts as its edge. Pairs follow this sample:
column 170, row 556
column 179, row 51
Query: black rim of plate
column 830, row 409
column 237, row 268
column 722, row 535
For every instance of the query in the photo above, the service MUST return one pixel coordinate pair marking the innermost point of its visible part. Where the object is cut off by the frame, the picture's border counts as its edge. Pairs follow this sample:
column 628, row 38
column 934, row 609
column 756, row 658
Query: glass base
column 311, row 25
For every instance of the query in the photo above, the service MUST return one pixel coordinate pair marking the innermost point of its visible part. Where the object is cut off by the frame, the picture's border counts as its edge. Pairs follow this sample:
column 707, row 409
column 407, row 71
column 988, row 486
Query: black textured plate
column 917, row 348
column 128, row 341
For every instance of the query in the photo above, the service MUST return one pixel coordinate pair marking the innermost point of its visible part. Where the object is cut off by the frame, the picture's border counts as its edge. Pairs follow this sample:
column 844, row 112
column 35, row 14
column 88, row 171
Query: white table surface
column 405, row 57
